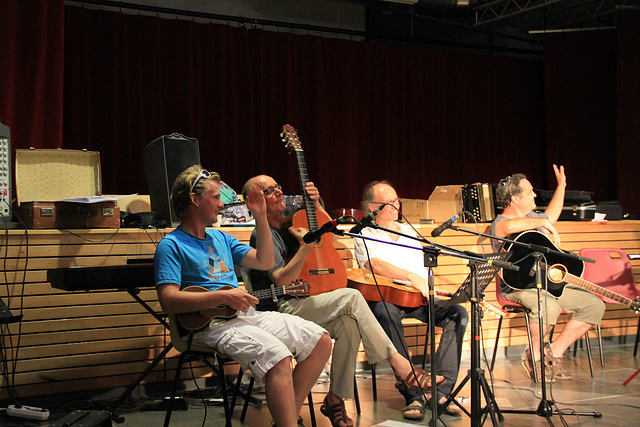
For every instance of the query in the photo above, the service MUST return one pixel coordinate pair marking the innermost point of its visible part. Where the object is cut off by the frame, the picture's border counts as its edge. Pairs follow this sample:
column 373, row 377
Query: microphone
column 314, row 235
column 448, row 223
column 367, row 220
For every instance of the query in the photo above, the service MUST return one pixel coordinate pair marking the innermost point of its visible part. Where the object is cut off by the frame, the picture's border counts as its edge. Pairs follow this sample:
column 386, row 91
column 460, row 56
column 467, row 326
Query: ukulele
column 323, row 269
column 399, row 294
column 196, row 320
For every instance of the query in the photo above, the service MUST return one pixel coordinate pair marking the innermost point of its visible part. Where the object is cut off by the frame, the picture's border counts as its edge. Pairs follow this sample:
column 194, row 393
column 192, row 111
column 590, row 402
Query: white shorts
column 258, row 340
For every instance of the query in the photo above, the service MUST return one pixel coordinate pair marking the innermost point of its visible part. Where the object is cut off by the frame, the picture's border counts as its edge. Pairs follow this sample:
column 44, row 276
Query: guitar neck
column 267, row 293
column 304, row 178
column 598, row 290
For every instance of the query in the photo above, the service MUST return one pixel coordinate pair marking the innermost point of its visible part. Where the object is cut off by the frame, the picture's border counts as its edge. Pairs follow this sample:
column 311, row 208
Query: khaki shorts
column 582, row 304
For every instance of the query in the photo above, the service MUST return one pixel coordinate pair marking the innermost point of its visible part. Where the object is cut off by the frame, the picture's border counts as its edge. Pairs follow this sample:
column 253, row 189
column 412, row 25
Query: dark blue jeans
column 453, row 321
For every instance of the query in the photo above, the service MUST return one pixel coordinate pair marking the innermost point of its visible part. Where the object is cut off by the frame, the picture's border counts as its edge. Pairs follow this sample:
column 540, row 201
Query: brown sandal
column 336, row 413
column 423, row 379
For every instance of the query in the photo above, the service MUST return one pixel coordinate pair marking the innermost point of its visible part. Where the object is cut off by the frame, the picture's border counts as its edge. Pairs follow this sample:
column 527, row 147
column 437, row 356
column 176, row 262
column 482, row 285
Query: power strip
column 29, row 412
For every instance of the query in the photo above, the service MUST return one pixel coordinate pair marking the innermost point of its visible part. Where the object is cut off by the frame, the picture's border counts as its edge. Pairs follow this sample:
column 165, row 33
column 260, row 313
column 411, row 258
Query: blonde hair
column 181, row 189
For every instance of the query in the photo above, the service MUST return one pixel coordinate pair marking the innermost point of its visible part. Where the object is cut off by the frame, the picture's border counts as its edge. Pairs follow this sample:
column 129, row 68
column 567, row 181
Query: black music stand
column 472, row 289
column 430, row 260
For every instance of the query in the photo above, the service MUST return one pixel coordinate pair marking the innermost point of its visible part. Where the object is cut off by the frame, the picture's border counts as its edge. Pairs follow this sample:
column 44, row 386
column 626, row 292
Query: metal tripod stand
column 470, row 290
column 545, row 407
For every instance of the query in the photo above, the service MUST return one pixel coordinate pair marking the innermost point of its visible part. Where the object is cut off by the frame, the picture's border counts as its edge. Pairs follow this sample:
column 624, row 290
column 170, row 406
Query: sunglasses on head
column 203, row 174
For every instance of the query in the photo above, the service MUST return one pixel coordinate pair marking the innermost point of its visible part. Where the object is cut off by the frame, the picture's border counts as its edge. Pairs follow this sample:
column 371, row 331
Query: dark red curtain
column 418, row 117
column 628, row 109
column 31, row 74
column 592, row 109
column 581, row 109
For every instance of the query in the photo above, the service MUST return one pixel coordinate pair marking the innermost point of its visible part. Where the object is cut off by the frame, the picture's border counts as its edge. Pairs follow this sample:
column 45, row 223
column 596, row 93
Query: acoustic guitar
column 558, row 269
column 196, row 320
column 399, row 294
column 323, row 269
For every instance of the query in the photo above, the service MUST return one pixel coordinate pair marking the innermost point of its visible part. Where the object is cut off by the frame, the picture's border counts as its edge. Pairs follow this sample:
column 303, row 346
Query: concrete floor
column 605, row 393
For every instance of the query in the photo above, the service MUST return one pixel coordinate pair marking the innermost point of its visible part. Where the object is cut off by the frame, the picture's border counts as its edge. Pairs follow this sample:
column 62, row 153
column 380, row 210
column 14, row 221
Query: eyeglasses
column 270, row 190
column 390, row 202
column 203, row 174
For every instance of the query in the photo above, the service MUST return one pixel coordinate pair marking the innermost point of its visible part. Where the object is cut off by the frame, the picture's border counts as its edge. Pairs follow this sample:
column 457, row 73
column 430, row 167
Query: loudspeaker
column 164, row 159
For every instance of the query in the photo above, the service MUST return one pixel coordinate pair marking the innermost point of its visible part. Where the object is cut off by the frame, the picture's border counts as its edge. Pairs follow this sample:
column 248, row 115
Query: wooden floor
column 605, row 393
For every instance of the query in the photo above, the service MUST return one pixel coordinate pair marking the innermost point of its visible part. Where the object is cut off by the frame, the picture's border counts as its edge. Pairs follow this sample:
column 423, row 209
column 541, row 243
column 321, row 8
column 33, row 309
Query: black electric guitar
column 559, row 270
column 197, row 320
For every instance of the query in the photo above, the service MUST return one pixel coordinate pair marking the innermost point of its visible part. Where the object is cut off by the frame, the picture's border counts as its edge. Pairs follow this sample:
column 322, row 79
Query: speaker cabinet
column 164, row 159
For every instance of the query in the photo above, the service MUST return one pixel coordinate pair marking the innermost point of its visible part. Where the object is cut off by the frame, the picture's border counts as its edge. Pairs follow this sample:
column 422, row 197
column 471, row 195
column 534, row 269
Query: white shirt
column 405, row 258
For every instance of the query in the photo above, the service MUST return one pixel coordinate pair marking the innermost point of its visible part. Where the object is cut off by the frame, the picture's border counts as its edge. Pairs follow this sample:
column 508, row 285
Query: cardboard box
column 445, row 201
column 44, row 177
column 414, row 209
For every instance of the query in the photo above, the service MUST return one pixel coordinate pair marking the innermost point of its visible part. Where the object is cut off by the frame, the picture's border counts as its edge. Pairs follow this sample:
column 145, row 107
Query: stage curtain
column 32, row 71
column 628, row 111
column 416, row 116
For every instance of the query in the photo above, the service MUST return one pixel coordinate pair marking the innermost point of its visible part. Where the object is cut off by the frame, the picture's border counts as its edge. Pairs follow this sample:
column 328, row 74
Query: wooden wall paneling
column 99, row 339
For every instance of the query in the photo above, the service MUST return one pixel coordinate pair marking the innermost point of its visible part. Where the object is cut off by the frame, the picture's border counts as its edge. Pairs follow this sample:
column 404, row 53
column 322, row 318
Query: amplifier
column 5, row 173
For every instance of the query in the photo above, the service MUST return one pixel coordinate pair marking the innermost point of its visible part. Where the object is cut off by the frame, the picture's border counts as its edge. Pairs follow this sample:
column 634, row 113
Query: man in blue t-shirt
column 263, row 342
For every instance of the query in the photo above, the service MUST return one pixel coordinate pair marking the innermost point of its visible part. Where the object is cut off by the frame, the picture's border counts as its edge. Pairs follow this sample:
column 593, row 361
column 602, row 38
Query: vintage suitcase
column 45, row 177
column 583, row 212
column 578, row 205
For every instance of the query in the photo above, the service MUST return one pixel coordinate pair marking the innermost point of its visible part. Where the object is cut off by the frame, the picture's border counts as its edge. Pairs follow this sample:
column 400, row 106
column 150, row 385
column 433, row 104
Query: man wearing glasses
column 264, row 343
column 407, row 265
column 343, row 312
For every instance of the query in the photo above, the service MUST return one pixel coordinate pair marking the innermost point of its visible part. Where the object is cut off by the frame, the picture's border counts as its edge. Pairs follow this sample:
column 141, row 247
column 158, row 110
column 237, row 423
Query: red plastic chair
column 514, row 307
column 612, row 270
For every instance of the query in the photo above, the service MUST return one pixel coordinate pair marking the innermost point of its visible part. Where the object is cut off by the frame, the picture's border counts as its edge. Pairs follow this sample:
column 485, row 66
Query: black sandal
column 412, row 407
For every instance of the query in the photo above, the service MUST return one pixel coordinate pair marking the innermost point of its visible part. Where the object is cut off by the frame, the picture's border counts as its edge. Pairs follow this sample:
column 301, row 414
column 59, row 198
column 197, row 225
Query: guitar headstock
column 635, row 305
column 298, row 289
column 290, row 137
column 493, row 310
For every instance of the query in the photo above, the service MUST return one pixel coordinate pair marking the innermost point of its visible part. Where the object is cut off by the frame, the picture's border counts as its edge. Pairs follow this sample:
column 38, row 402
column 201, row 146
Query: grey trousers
column 345, row 314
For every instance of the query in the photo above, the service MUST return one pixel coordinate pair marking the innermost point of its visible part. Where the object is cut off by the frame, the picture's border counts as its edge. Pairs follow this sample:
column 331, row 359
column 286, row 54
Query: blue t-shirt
column 189, row 261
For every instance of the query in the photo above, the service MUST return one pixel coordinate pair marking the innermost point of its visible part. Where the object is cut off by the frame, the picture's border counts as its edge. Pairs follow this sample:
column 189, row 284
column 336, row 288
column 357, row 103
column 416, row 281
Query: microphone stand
column 545, row 406
column 430, row 260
